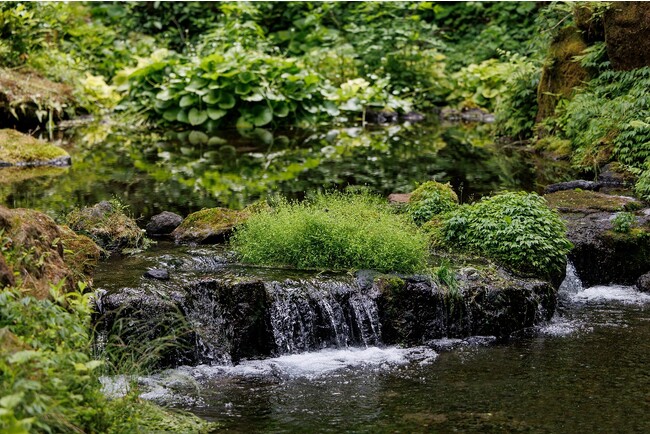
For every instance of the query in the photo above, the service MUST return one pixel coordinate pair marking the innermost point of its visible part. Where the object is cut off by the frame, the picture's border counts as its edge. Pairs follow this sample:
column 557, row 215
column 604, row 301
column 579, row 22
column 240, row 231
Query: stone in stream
column 211, row 225
column 643, row 283
column 157, row 274
column 163, row 223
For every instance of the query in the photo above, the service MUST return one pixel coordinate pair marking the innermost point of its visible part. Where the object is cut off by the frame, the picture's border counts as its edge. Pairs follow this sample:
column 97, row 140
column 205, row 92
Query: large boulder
column 600, row 254
column 210, row 225
column 627, row 34
column 163, row 224
column 37, row 253
column 109, row 226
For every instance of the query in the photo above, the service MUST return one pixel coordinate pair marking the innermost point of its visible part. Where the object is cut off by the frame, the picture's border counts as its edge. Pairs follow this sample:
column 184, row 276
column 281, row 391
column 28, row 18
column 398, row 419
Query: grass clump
column 429, row 199
column 516, row 229
column 333, row 231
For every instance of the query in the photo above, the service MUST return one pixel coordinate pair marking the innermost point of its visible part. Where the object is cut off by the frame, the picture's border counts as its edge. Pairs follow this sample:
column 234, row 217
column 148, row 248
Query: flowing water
column 584, row 372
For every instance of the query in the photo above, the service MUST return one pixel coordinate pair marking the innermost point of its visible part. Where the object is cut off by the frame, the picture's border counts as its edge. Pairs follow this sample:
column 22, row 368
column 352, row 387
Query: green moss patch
column 21, row 149
column 209, row 225
column 590, row 201
column 429, row 199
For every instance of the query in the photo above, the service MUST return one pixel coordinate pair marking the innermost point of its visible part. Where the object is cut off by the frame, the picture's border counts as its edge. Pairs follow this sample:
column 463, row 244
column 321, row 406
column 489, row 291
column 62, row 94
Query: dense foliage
column 429, row 199
column 333, row 231
column 516, row 229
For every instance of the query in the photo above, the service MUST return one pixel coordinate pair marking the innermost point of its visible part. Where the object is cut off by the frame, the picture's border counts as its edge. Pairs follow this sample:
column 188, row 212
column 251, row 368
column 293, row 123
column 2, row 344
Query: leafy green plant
column 517, row 229
column 429, row 199
column 623, row 222
column 333, row 231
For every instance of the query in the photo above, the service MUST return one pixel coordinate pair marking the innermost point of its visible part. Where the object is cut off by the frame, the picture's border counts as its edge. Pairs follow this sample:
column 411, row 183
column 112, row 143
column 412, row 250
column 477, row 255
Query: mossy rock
column 37, row 253
column 18, row 149
column 582, row 201
column 108, row 226
column 561, row 72
column 210, row 225
column 429, row 199
column 627, row 35
column 28, row 99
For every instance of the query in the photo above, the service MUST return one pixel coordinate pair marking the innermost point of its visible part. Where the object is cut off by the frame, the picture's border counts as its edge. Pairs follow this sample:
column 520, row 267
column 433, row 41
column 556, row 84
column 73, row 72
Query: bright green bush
column 623, row 222
column 333, row 231
column 517, row 229
column 429, row 199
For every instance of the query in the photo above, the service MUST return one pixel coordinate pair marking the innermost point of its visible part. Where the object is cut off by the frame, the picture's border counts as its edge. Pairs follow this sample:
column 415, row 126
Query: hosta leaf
column 197, row 117
column 242, row 88
column 198, row 138
column 188, row 100
column 215, row 114
column 164, row 95
column 226, row 100
column 196, row 84
column 212, row 97
column 244, row 123
column 253, row 97
column 216, row 140
column 246, row 77
column 171, row 114
column 182, row 117
column 261, row 115
column 280, row 109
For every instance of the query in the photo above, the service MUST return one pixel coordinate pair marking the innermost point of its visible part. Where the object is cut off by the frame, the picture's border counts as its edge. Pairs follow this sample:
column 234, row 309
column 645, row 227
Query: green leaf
column 212, row 97
column 182, row 117
column 244, row 123
column 197, row 117
column 246, row 77
column 10, row 401
column 215, row 114
column 226, row 100
column 198, row 138
column 188, row 100
column 171, row 114
column 196, row 84
column 23, row 356
column 242, row 88
column 261, row 115
column 164, row 95
column 216, row 140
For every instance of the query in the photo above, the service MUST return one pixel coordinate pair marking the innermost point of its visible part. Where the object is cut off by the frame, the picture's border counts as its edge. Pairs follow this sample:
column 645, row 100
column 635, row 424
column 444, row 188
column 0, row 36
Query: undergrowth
column 334, row 231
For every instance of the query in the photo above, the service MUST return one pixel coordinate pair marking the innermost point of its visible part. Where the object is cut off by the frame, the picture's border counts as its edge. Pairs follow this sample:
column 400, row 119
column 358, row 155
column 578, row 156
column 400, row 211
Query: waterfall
column 571, row 283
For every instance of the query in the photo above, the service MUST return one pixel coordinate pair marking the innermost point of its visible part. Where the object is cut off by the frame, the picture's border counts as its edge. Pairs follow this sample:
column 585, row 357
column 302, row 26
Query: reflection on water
column 187, row 171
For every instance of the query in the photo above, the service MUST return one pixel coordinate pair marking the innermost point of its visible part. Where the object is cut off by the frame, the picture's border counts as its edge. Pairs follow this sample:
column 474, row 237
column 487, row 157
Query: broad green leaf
column 255, row 96
column 182, row 117
column 23, row 356
column 244, row 123
column 226, row 100
column 212, row 97
column 264, row 135
column 246, row 77
column 216, row 140
column 196, row 84
column 164, row 95
column 215, row 114
column 10, row 401
column 280, row 109
column 261, row 115
column 171, row 114
column 242, row 88
column 197, row 117
column 198, row 138
column 188, row 100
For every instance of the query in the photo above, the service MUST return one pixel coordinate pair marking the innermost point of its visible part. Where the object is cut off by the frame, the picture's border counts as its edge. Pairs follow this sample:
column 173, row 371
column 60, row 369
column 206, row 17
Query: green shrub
column 517, row 229
column 623, row 222
column 333, row 231
column 429, row 199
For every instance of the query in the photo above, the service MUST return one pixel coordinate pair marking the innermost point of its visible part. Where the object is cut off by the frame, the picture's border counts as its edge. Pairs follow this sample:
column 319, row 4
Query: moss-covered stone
column 561, row 72
column 18, row 149
column 35, row 253
column 27, row 99
column 211, row 225
column 627, row 34
column 590, row 201
column 108, row 225
column 429, row 199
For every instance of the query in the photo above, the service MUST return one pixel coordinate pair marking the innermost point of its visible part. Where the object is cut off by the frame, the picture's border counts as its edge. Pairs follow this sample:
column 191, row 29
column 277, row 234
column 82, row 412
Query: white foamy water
column 618, row 293
column 561, row 326
column 318, row 363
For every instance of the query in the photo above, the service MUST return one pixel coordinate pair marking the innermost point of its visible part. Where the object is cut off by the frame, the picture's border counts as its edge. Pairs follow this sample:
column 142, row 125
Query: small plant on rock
column 623, row 222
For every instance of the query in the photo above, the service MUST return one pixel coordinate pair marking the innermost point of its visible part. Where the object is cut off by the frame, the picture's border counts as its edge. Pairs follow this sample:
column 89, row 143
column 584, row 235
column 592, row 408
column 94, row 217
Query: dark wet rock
column 412, row 117
column 157, row 274
column 627, row 34
column 466, row 115
column 601, row 255
column 260, row 313
column 572, row 185
column 211, row 225
column 163, row 223
column 381, row 116
column 612, row 177
column 50, row 254
column 108, row 226
column 643, row 283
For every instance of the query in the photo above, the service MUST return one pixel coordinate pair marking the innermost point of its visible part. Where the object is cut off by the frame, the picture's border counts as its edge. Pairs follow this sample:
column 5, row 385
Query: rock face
column 108, row 226
column 229, row 315
column 42, row 253
column 212, row 225
column 643, row 283
column 561, row 73
column 627, row 34
column 601, row 255
column 163, row 223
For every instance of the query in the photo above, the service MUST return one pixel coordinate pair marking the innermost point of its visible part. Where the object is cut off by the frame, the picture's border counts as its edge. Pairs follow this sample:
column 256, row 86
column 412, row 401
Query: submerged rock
column 157, row 274
column 37, row 253
column 211, row 225
column 163, row 223
column 108, row 225
column 18, row 149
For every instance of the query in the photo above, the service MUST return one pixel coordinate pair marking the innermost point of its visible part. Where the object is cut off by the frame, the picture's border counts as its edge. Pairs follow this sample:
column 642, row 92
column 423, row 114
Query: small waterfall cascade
column 313, row 314
column 571, row 283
